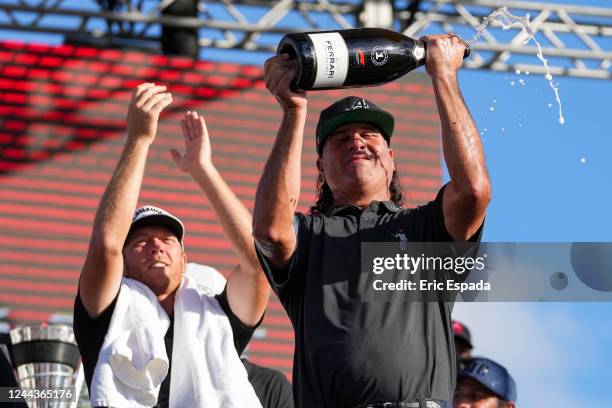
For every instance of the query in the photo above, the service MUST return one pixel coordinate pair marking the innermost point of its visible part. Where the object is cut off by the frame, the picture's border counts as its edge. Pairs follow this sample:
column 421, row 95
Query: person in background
column 271, row 386
column 463, row 340
column 148, row 335
column 483, row 383
column 8, row 381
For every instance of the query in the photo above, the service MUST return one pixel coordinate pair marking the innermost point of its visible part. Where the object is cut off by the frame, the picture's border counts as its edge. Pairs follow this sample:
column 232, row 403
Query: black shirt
column 7, row 379
column 349, row 352
column 271, row 386
column 89, row 334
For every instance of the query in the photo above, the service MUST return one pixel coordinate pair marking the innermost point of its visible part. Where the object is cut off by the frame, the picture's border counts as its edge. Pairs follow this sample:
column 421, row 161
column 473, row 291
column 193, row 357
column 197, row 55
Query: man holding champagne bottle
column 351, row 353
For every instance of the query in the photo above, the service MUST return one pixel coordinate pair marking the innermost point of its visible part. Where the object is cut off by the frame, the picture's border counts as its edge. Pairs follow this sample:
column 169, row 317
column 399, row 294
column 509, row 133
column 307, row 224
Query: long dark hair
column 325, row 197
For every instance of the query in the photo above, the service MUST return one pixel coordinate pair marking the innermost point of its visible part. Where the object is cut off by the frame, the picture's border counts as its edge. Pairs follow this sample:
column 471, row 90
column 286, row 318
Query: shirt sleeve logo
column 403, row 240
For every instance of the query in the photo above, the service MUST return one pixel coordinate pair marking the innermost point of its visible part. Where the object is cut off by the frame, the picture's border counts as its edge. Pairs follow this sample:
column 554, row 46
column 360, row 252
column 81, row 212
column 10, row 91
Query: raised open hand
column 197, row 145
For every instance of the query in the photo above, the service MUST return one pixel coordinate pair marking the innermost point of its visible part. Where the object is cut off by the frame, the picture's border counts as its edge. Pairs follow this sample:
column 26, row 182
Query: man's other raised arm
column 247, row 287
column 468, row 194
column 103, row 268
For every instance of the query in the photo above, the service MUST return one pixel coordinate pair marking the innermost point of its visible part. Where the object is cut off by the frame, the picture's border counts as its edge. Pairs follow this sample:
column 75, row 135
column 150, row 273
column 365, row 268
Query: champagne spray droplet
column 507, row 21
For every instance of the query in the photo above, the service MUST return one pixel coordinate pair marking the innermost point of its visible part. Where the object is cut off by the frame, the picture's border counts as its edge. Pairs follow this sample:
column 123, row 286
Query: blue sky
column 551, row 183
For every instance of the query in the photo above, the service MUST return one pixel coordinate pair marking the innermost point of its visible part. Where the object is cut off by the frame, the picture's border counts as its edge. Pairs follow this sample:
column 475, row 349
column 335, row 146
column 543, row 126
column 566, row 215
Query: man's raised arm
column 279, row 188
column 467, row 195
column 247, row 287
column 103, row 268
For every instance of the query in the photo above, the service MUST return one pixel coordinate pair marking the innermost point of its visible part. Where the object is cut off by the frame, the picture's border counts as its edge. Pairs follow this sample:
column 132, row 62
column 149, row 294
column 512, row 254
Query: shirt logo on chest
column 401, row 237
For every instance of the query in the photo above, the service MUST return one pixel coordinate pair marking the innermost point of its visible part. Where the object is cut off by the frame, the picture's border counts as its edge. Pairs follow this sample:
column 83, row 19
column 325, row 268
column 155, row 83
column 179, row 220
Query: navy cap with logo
column 149, row 215
column 349, row 110
column 491, row 375
column 461, row 333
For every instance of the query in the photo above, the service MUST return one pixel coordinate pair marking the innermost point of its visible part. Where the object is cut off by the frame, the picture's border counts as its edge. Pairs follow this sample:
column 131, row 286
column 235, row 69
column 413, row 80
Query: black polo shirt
column 271, row 386
column 349, row 352
column 8, row 380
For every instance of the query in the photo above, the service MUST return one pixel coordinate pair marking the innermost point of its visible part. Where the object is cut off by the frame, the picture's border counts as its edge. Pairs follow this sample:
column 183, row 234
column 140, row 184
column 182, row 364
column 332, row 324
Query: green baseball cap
column 350, row 110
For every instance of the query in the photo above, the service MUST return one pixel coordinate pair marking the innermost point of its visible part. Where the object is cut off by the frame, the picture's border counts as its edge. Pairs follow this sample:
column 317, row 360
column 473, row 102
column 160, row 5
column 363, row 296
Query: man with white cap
column 148, row 335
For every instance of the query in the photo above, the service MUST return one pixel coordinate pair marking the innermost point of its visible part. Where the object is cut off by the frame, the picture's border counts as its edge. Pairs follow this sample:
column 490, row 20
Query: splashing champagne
column 508, row 20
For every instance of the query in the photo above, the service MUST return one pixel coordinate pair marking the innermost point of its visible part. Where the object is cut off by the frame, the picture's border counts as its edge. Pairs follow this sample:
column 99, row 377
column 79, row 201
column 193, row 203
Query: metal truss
column 576, row 40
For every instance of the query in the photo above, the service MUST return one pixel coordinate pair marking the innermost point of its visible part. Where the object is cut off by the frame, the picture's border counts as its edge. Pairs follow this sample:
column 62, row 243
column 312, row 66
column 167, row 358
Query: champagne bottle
column 351, row 58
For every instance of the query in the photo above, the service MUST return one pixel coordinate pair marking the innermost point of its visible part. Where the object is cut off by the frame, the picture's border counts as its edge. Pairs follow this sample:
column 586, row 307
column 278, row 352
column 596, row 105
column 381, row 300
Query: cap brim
column 381, row 119
column 460, row 339
column 160, row 219
column 479, row 381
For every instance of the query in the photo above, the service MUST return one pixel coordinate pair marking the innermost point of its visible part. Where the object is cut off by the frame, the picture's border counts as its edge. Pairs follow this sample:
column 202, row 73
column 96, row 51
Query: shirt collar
column 389, row 206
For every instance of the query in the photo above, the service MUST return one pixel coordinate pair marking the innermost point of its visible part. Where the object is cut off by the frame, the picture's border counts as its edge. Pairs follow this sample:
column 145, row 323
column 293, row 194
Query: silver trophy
column 49, row 369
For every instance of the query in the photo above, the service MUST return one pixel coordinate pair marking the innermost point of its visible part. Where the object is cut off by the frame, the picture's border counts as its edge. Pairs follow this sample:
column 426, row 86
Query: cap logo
column 360, row 104
column 471, row 367
column 143, row 210
column 477, row 368
column 483, row 370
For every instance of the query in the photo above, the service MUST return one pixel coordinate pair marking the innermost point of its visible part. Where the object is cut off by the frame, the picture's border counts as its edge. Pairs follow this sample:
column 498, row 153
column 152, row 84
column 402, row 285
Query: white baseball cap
column 150, row 215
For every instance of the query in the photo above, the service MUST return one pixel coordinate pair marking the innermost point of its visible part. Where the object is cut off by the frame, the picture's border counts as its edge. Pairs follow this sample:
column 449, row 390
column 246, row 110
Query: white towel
column 206, row 370
column 132, row 362
column 206, row 276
